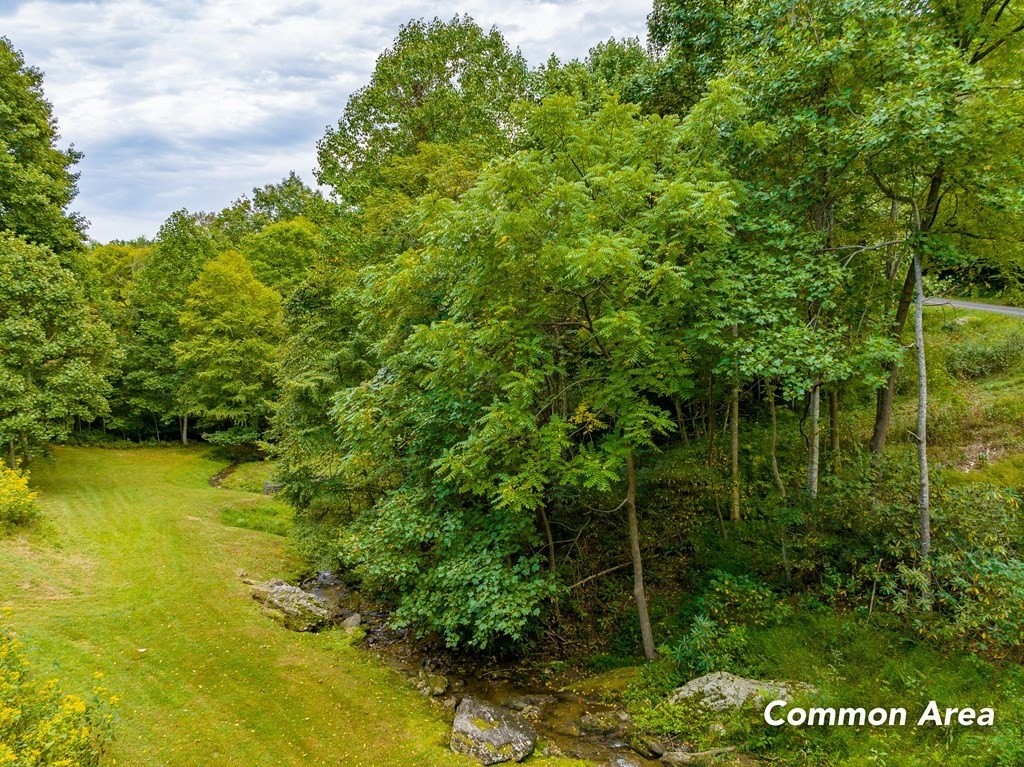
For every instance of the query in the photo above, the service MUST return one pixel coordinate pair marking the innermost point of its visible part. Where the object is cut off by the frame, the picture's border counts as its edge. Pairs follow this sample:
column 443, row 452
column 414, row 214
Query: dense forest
column 608, row 358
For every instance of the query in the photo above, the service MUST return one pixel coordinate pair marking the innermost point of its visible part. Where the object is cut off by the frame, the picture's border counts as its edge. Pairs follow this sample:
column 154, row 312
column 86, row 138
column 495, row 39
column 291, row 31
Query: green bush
column 39, row 725
column 739, row 599
column 980, row 358
column 17, row 501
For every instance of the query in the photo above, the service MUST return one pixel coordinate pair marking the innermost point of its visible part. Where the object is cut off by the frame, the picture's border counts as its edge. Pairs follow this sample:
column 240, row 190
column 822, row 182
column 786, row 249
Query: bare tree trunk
column 11, row 458
column 773, row 453
column 922, row 412
column 814, row 443
column 184, row 429
column 156, row 423
column 638, row 566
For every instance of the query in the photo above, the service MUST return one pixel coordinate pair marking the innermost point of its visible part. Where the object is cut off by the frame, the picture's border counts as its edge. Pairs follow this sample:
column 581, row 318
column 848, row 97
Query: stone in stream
column 623, row 761
column 647, row 746
column 605, row 723
column 432, row 685
column 290, row 606
column 491, row 734
column 721, row 690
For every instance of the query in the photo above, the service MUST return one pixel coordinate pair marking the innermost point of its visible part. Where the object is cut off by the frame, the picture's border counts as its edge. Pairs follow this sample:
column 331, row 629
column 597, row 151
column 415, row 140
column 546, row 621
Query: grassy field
column 134, row 576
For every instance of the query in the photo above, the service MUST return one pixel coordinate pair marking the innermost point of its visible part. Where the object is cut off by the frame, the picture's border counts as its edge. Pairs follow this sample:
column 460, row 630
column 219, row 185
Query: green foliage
column 37, row 183
column 441, row 82
column 39, row 725
column 55, row 349
column 17, row 501
column 982, row 358
column 231, row 324
column 740, row 599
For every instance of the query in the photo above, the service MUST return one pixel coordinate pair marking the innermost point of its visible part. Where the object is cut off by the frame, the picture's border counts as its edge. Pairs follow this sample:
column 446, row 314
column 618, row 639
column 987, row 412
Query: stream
column 567, row 723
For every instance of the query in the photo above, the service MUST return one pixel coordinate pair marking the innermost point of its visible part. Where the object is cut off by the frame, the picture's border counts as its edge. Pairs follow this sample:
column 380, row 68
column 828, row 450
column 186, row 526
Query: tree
column 538, row 328
column 36, row 180
column 231, row 325
column 151, row 378
column 440, row 82
column 56, row 349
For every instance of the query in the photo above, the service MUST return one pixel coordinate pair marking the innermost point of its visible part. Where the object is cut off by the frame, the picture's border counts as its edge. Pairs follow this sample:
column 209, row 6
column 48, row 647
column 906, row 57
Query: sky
column 192, row 103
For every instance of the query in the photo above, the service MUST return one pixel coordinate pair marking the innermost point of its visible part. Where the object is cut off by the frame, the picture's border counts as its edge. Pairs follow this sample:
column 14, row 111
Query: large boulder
column 290, row 606
column 491, row 734
column 721, row 690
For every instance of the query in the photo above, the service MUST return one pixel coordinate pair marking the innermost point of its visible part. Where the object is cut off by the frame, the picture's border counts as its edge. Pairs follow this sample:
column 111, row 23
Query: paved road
column 956, row 303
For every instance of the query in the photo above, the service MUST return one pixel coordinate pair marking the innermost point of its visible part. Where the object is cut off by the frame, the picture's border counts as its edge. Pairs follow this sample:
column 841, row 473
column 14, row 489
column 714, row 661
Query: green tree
column 151, row 377
column 54, row 349
column 440, row 82
column 231, row 325
column 36, row 180
column 532, row 336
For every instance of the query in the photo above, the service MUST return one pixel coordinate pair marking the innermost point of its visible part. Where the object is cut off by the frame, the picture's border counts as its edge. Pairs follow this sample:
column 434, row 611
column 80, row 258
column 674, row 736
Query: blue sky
column 191, row 103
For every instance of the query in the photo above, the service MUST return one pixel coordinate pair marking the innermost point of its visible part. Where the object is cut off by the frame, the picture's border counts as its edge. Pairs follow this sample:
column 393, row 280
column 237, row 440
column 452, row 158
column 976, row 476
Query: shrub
column 980, row 358
column 17, row 501
column 39, row 725
column 739, row 599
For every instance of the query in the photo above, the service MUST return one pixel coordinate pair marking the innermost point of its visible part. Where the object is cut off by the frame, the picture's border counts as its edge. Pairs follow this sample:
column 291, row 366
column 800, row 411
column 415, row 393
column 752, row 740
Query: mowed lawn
column 135, row 577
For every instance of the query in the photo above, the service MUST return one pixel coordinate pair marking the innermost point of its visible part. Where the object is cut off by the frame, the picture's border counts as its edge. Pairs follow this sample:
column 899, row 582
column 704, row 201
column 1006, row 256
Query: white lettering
column 986, row 718
column 852, row 716
column 931, row 715
column 768, row 713
column 796, row 717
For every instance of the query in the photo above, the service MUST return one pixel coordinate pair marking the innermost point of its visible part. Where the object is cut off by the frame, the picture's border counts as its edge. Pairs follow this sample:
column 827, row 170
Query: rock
column 525, row 702
column 271, row 488
column 434, row 685
column 605, row 722
column 566, row 728
column 352, row 621
column 291, row 606
column 491, row 734
column 647, row 746
column 721, row 690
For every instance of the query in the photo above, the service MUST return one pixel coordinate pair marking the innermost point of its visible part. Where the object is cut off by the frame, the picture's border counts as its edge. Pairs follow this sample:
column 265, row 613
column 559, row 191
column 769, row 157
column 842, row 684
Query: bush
column 17, row 501
column 981, row 358
column 41, row 726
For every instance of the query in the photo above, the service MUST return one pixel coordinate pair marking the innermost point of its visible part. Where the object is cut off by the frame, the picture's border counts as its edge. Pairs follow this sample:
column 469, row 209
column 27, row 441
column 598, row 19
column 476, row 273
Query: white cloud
column 192, row 103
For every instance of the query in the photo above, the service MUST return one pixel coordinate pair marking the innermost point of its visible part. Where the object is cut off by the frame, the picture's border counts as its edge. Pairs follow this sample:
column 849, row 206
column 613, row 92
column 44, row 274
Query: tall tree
column 37, row 183
column 54, row 349
column 231, row 325
column 440, row 82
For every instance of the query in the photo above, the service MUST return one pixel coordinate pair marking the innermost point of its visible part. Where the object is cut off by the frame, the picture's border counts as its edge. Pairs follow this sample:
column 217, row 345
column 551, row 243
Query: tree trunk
column 922, row 412
column 12, row 460
column 678, row 404
column 545, row 523
column 814, row 443
column 184, row 429
column 156, row 423
column 885, row 396
column 773, row 454
column 638, row 566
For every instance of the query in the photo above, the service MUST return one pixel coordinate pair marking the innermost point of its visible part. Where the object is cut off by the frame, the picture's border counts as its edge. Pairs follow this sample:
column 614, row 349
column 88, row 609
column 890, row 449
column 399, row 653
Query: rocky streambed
column 499, row 711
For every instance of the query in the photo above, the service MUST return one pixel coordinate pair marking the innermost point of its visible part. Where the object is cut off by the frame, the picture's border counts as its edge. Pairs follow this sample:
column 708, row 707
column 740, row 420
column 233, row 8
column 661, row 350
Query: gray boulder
column 491, row 734
column 290, row 606
column 721, row 690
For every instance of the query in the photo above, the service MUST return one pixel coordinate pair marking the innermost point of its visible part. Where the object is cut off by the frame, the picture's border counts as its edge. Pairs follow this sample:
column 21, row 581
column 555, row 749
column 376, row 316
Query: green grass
column 250, row 476
column 264, row 514
column 134, row 576
column 853, row 661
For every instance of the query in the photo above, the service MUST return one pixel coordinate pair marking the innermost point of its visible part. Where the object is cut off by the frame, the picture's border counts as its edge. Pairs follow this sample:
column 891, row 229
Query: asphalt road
column 956, row 303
